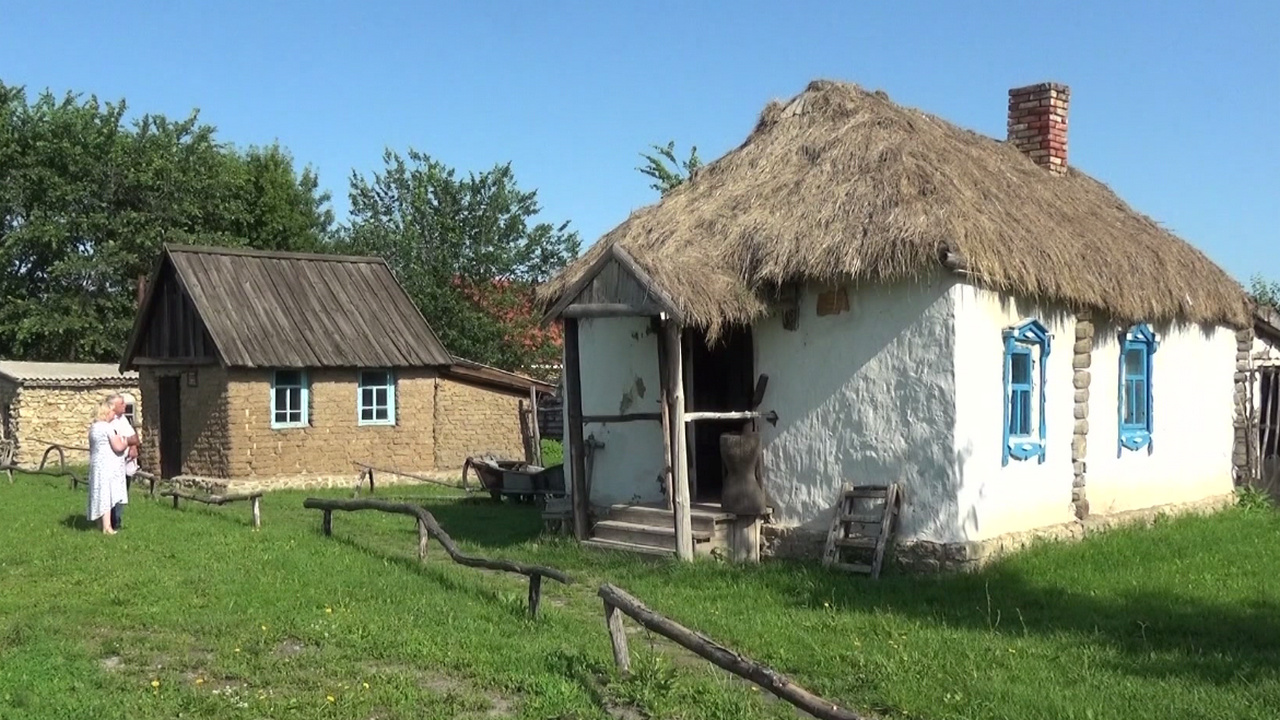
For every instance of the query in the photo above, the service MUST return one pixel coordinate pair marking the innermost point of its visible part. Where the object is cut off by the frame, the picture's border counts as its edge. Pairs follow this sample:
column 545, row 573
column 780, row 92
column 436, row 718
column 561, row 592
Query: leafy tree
column 666, row 178
column 1265, row 292
column 86, row 199
column 467, row 250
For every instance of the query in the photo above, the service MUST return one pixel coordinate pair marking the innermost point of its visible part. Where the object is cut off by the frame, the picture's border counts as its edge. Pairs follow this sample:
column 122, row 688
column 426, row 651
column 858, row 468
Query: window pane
column 295, row 399
column 1139, row 403
column 366, row 397
column 380, row 413
column 288, row 377
column 1020, row 369
column 281, row 417
column 380, row 397
column 282, row 398
column 366, row 413
column 373, row 377
column 1134, row 363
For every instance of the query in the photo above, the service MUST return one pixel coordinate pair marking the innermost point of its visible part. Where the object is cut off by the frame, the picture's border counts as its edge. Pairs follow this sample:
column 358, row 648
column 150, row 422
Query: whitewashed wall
column 1192, row 395
column 619, row 366
column 994, row 499
column 864, row 396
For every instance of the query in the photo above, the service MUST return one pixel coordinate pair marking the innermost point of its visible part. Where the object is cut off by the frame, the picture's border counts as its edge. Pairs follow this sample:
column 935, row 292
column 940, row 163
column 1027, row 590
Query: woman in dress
column 106, row 468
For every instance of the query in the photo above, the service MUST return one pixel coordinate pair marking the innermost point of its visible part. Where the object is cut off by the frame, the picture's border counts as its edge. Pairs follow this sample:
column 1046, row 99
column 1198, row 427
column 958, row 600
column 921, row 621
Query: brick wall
column 204, row 419
column 41, row 413
column 334, row 438
column 474, row 421
column 1038, row 124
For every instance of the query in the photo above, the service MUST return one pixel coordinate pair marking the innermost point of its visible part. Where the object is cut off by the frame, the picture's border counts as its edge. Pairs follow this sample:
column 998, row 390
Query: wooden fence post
column 257, row 512
column 326, row 525
column 423, row 537
column 535, row 594
column 618, row 638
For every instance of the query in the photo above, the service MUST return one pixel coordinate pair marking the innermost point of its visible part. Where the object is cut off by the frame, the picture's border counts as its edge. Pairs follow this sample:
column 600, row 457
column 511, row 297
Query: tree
column 1265, row 292
column 466, row 249
column 86, row 200
column 666, row 178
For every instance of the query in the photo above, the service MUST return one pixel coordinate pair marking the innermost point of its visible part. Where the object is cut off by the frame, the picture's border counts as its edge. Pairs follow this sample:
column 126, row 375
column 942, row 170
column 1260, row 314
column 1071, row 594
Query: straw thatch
column 843, row 184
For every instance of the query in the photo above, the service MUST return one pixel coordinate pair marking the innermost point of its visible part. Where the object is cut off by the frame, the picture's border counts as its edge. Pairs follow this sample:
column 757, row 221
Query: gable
column 614, row 285
column 169, row 327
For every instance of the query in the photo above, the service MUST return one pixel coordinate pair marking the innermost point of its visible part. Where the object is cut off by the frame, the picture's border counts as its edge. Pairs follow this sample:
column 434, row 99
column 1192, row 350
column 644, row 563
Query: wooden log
column 401, row 473
column 602, row 310
column 423, row 537
column 437, row 532
column 633, row 417
column 733, row 415
column 617, row 638
column 679, row 450
column 722, row 657
column 326, row 524
column 535, row 594
column 257, row 512
column 533, row 423
column 577, row 448
column 62, row 459
column 209, row 499
column 745, row 539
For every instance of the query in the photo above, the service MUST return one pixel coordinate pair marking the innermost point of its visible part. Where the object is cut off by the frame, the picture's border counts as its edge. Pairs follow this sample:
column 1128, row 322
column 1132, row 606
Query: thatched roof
column 842, row 184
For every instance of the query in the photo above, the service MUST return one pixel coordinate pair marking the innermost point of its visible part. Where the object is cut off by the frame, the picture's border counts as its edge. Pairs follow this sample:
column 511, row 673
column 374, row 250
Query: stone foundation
column 929, row 557
column 311, row 482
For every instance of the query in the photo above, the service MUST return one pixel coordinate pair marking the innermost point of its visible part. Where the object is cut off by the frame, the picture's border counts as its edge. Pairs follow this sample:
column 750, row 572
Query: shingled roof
column 292, row 310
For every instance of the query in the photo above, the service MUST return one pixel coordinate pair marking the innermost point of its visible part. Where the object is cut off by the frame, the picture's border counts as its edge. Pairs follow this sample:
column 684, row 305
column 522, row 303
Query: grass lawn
column 189, row 613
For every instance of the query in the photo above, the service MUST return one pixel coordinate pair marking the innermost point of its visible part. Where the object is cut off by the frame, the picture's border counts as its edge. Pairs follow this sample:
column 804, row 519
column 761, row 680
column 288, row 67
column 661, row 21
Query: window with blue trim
column 289, row 399
column 1026, row 347
column 1136, row 348
column 376, row 398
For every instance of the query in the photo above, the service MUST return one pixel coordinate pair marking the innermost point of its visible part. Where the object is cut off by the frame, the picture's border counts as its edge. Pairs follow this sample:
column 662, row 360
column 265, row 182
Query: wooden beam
column 533, row 421
column 679, row 451
column 577, row 447
column 618, row 600
column 664, row 398
column 605, row 310
column 633, row 417
column 742, row 415
column 170, row 362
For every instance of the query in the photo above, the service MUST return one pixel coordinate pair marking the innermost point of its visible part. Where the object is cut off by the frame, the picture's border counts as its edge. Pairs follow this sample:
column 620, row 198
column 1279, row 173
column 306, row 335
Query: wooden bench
column 253, row 498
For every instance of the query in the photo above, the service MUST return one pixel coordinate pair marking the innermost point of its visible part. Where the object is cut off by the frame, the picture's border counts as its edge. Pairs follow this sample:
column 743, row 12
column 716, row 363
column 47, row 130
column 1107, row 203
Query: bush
column 552, row 453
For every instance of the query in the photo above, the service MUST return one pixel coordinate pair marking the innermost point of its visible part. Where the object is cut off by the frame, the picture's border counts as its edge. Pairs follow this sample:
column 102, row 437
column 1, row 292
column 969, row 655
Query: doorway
column 170, row 410
column 720, row 379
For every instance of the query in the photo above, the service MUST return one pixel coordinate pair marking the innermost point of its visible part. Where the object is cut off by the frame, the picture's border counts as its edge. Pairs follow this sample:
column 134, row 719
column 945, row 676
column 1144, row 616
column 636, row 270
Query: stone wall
column 204, row 419
column 333, row 438
column 47, row 412
column 471, row 420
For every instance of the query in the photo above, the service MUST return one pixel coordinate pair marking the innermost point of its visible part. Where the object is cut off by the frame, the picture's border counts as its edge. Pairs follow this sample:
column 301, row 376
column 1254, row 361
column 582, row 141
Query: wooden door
column 170, row 406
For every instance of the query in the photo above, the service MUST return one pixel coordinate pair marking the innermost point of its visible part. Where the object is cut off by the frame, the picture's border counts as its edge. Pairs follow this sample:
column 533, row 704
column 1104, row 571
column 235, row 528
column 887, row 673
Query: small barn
column 44, row 403
column 272, row 370
column 879, row 296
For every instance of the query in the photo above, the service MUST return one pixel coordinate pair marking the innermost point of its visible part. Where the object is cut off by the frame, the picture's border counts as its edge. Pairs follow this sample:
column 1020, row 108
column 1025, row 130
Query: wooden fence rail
column 617, row 600
column 255, row 501
column 429, row 528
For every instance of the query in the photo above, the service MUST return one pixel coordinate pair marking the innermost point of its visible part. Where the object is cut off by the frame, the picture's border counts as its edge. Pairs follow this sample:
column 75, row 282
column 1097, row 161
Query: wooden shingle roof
column 295, row 310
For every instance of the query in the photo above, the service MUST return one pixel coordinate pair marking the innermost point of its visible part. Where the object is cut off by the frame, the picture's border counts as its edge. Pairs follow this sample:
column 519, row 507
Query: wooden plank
column 733, row 415
column 865, row 543
column 680, row 463
column 890, row 507
column 664, row 403
column 533, row 422
column 831, row 552
column 605, row 310
column 863, row 518
column 617, row 639
column 577, row 447
column 744, row 539
column 632, row 417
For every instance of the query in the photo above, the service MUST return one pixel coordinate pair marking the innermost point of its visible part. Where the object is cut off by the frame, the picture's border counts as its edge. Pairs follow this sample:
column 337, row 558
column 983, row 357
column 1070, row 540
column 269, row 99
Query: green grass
column 552, row 453
column 190, row 612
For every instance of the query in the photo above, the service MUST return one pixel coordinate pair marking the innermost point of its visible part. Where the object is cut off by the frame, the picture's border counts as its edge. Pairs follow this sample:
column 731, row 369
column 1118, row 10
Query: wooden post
column 664, row 401
column 617, row 638
column 577, row 458
column 423, row 537
column 175, row 502
column 526, row 435
column 326, row 525
column 533, row 426
column 679, row 449
column 535, row 594
column 745, row 539
column 370, row 481
column 257, row 511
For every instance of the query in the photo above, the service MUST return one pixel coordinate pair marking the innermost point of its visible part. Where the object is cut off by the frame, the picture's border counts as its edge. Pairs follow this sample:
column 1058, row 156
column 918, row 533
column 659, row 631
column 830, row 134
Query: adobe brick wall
column 43, row 412
column 472, row 420
column 204, row 418
column 334, row 438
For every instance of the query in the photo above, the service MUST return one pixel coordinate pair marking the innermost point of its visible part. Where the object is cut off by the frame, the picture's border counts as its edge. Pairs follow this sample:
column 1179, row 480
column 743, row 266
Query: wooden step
column 628, row 547
column 699, row 519
column 868, row 543
column 638, row 534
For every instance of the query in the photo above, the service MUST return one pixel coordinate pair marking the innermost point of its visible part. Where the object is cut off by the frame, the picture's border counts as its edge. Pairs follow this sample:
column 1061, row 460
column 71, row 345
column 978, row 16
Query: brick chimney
column 1038, row 124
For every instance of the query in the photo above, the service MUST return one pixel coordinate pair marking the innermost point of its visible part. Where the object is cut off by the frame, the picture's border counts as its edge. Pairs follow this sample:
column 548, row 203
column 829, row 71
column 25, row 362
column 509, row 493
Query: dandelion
column 199, row 681
column 329, row 698
column 237, row 649
column 329, row 610
column 155, row 683
column 366, row 685
column 264, row 628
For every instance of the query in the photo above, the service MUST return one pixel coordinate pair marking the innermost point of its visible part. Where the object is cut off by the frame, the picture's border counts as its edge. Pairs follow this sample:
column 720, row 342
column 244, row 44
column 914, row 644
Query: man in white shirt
column 121, row 425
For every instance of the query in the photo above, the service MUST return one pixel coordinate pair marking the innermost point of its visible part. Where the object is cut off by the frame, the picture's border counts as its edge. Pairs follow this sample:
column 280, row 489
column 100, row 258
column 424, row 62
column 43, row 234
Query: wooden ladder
column 863, row 520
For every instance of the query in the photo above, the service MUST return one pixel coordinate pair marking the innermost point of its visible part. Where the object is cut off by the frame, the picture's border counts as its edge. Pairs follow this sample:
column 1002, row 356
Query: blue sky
column 1173, row 104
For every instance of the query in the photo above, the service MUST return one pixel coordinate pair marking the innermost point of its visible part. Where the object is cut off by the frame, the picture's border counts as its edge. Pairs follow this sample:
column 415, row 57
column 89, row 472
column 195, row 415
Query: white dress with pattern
column 106, row 472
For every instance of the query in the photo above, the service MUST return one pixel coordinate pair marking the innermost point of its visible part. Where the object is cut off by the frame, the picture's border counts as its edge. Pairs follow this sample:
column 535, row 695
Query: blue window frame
column 1136, row 348
column 376, row 398
column 1026, row 347
column 290, row 399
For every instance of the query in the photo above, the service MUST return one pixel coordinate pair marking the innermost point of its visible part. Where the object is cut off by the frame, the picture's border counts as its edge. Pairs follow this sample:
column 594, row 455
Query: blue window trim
column 1027, row 338
column 1135, row 436
column 305, row 387
column 391, row 397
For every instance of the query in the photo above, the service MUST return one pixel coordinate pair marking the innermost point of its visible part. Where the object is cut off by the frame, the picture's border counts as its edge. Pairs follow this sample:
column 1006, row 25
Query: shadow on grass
column 1157, row 634
column 79, row 522
column 478, row 520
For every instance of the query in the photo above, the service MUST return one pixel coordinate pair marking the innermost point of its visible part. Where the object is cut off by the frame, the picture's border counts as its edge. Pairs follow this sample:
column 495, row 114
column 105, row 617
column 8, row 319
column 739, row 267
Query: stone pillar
column 1081, row 360
column 1243, row 457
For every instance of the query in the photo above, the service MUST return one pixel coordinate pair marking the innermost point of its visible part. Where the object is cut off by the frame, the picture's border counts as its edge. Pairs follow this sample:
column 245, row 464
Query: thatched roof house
column 839, row 183
column 901, row 282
